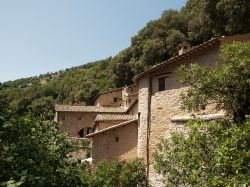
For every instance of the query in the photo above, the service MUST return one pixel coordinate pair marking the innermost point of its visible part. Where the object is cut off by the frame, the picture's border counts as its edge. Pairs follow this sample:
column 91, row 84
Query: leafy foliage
column 227, row 84
column 212, row 154
column 196, row 22
column 119, row 174
column 34, row 153
column 39, row 94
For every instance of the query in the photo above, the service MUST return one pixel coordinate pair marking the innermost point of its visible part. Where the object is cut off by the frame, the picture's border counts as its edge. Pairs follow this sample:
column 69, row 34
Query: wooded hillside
column 197, row 22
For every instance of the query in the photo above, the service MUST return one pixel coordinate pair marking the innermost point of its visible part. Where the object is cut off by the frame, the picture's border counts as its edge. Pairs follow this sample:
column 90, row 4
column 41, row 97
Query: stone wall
column 105, row 124
column 129, row 95
column 73, row 122
column 164, row 105
column 143, row 117
column 119, row 143
column 110, row 99
column 133, row 110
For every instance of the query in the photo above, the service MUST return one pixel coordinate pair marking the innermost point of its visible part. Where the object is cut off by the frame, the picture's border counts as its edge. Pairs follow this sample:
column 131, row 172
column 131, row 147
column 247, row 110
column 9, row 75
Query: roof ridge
column 114, row 117
column 194, row 49
column 72, row 108
column 112, row 127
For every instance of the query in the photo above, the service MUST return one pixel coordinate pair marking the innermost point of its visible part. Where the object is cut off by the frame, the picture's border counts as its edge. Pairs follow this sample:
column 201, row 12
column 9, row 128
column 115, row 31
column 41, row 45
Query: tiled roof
column 115, row 117
column 112, row 127
column 195, row 50
column 69, row 108
column 208, row 117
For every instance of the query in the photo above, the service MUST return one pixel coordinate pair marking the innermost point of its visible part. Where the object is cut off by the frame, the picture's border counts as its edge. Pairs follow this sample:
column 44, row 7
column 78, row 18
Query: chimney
column 184, row 47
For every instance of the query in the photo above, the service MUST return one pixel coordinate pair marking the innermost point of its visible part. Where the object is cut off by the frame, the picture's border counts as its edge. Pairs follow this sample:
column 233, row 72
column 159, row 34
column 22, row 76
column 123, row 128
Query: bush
column 34, row 153
column 212, row 154
column 119, row 174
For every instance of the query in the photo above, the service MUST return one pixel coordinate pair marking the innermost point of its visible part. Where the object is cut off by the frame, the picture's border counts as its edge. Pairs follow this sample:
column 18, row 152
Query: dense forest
column 197, row 22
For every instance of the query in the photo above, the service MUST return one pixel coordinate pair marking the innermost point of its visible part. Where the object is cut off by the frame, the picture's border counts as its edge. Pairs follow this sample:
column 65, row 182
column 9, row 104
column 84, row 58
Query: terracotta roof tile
column 69, row 108
column 115, row 117
column 113, row 127
column 194, row 50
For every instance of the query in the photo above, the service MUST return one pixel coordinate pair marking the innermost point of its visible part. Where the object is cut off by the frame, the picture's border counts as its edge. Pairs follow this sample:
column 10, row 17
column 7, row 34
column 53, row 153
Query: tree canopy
column 212, row 153
column 197, row 22
column 227, row 84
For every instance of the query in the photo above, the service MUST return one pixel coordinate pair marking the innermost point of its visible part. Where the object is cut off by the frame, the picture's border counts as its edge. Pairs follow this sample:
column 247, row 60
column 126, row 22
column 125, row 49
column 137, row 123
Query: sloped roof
column 115, row 117
column 112, row 128
column 195, row 50
column 132, row 105
column 69, row 108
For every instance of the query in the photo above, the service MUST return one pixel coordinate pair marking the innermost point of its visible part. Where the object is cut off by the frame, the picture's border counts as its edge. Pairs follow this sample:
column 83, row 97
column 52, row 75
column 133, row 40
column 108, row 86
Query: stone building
column 121, row 97
column 159, row 102
column 78, row 121
column 112, row 108
column 115, row 138
column 149, row 110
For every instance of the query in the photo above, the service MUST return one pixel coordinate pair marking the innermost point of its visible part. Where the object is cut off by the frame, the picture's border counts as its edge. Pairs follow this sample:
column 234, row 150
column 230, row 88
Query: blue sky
column 39, row 36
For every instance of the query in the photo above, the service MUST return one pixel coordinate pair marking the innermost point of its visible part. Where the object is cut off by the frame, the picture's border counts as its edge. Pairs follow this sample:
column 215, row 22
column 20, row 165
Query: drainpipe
column 149, row 121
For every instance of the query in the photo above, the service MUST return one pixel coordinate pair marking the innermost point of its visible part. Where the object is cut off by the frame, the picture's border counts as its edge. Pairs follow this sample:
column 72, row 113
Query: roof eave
column 112, row 128
column 177, row 58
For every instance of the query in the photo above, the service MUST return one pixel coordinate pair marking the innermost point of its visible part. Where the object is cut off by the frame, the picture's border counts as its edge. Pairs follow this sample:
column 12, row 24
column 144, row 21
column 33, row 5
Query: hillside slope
column 196, row 22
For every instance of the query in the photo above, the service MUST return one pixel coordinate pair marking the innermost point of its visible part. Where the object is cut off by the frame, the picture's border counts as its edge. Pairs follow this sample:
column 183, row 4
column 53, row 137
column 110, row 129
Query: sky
column 40, row 36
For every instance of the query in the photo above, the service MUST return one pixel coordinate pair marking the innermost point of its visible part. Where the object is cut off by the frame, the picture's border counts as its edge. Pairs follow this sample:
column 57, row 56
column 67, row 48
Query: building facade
column 145, row 112
column 159, row 101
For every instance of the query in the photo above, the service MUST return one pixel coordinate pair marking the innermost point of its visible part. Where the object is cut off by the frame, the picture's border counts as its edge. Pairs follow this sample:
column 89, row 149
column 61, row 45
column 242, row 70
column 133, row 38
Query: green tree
column 227, row 84
column 34, row 153
column 119, row 174
column 214, row 153
column 208, row 18
column 211, row 154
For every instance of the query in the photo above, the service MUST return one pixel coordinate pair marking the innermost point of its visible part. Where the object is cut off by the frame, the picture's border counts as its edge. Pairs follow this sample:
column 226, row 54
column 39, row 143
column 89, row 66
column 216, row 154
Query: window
column 162, row 84
column 79, row 118
column 63, row 117
column 117, row 139
column 115, row 99
column 81, row 133
column 89, row 130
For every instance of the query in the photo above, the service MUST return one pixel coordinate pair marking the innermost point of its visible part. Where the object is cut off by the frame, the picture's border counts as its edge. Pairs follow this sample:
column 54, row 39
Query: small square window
column 89, row 130
column 117, row 139
column 115, row 99
column 162, row 86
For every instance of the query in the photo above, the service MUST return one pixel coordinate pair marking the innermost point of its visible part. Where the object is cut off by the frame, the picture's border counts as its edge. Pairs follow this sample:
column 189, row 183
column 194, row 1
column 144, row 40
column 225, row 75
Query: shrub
column 212, row 154
column 119, row 174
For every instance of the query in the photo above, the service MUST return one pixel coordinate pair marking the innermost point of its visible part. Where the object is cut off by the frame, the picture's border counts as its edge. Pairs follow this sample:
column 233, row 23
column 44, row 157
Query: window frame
column 161, row 84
